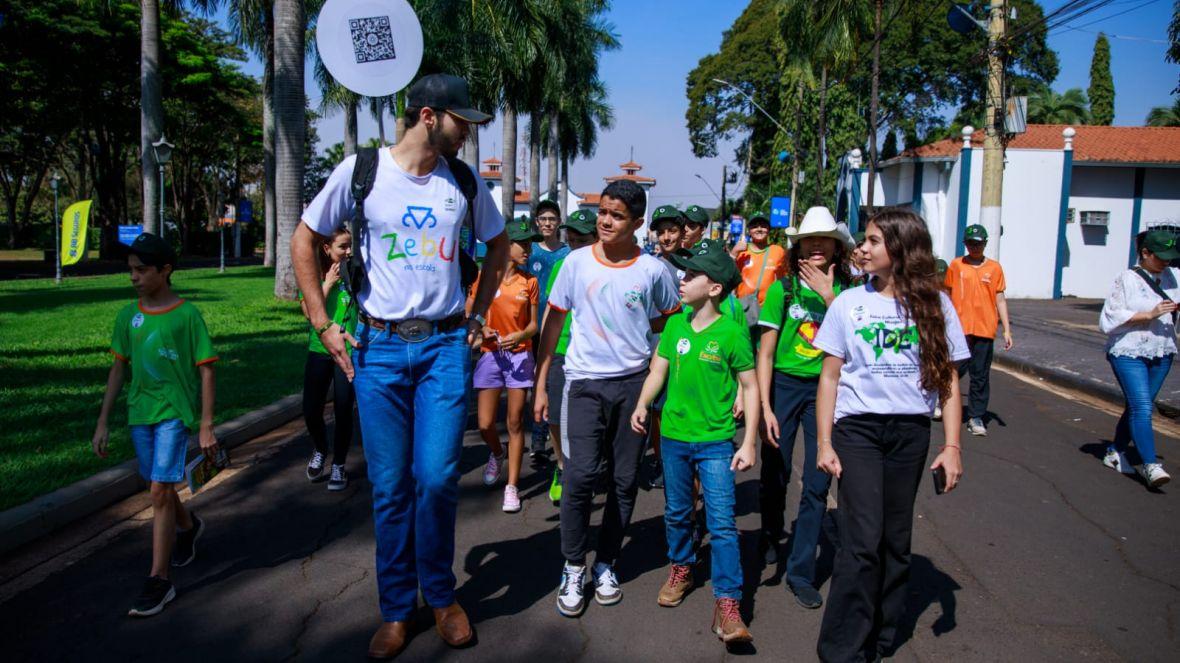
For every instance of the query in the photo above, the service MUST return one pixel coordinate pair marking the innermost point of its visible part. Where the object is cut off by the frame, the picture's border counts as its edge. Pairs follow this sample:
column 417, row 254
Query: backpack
column 364, row 173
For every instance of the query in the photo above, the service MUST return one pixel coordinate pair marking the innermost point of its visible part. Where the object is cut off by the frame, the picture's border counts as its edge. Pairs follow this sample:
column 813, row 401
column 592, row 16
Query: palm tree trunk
column 471, row 148
column 873, row 102
column 290, row 117
column 508, row 174
column 270, row 211
column 534, row 159
column 399, row 116
column 350, row 130
column 379, row 111
column 823, row 138
column 151, row 111
column 565, row 186
column 552, row 188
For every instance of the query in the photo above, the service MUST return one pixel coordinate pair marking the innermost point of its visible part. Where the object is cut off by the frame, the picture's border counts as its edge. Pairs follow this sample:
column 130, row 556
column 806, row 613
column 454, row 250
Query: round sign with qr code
column 372, row 47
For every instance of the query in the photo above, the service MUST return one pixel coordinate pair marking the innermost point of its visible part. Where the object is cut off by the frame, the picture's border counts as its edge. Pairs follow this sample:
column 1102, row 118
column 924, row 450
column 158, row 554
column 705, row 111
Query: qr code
column 372, row 39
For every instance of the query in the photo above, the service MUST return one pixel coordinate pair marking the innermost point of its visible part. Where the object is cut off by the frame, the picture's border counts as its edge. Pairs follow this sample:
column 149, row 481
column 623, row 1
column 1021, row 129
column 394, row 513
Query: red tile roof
column 639, row 179
column 491, row 160
column 589, row 198
column 1091, row 143
column 522, row 197
column 492, row 175
column 630, row 165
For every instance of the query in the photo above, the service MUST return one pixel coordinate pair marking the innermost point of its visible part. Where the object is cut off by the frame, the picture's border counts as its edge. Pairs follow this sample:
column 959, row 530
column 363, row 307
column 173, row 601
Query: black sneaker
column 807, row 596
column 185, row 550
column 157, row 592
column 339, row 480
column 315, row 467
column 657, row 475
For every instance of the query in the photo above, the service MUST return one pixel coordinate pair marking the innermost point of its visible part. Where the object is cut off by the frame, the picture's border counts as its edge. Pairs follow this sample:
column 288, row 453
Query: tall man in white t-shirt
column 617, row 296
column 412, row 347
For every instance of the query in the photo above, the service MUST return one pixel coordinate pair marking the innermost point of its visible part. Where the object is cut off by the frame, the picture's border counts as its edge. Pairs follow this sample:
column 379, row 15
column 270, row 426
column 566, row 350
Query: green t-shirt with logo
column 702, row 377
column 795, row 354
column 563, row 341
column 730, row 307
column 164, row 349
column 336, row 305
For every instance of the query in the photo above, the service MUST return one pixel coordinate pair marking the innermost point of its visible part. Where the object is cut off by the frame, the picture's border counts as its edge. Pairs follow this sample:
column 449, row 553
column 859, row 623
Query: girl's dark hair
column 915, row 283
column 839, row 259
column 325, row 261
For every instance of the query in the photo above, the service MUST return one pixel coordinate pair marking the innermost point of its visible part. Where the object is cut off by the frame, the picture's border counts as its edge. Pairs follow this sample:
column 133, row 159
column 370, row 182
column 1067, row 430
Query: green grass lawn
column 54, row 360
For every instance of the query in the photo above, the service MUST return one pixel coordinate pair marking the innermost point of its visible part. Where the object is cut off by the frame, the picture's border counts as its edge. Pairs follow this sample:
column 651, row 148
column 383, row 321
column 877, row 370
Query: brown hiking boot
column 451, row 623
column 678, row 584
column 389, row 640
column 728, row 624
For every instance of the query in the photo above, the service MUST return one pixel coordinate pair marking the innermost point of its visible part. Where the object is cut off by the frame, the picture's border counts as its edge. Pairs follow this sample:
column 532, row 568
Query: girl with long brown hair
column 890, row 350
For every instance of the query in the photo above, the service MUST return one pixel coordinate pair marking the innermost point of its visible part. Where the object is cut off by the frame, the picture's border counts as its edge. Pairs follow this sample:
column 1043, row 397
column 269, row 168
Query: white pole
column 161, row 200
column 221, row 234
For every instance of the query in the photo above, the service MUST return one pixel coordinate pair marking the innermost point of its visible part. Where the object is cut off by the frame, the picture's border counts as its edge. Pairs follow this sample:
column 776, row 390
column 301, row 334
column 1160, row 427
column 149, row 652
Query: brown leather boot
column 452, row 625
column 728, row 624
column 678, row 584
column 389, row 640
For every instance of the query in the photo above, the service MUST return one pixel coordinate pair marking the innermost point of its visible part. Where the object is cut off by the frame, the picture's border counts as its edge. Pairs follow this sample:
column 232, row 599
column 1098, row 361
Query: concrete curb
column 43, row 515
column 1089, row 386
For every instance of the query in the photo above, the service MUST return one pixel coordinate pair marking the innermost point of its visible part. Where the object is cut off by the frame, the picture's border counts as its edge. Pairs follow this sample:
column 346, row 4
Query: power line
column 1125, row 11
column 1125, row 37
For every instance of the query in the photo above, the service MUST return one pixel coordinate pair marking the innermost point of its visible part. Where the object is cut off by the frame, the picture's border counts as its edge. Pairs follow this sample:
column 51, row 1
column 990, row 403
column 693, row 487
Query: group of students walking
column 856, row 341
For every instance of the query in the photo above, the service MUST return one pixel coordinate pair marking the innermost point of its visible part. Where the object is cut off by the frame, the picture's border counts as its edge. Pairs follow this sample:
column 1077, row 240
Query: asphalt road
column 1042, row 554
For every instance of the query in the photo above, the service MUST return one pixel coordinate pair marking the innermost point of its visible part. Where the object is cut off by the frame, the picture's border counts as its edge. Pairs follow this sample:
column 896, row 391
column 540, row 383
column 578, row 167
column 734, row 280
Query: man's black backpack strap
column 364, row 173
column 468, row 270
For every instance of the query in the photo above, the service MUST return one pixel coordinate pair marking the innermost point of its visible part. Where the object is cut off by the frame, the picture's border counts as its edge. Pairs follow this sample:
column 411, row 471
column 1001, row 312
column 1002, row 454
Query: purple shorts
column 500, row 368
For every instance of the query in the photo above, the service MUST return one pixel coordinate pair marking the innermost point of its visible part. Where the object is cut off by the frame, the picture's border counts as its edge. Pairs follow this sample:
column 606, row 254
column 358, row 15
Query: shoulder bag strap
column 1155, row 287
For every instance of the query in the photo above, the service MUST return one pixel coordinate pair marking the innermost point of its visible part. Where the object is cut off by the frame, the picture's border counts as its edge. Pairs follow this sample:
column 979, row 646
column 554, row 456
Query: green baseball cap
column 710, row 257
column 581, row 221
column 153, row 250
column 759, row 217
column 975, row 233
column 1160, row 242
column 696, row 214
column 667, row 213
column 523, row 230
column 940, row 266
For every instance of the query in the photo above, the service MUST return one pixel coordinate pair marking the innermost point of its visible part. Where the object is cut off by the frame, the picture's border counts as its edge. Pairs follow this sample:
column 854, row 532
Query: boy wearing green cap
column 163, row 340
column 976, row 286
column 696, row 219
column 703, row 356
column 580, row 232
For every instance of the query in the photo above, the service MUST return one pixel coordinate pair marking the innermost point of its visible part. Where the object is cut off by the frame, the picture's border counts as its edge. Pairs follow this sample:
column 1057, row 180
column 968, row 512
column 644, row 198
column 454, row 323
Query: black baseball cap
column 581, row 221
column 710, row 257
column 445, row 92
column 153, row 250
column 696, row 214
column 760, row 217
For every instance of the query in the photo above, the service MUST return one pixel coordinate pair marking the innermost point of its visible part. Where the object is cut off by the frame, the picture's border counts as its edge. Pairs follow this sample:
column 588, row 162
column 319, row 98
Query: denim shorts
column 161, row 449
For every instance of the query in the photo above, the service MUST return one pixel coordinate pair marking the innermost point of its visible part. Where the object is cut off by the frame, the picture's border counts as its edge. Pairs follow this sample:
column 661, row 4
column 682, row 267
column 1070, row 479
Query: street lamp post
column 54, row 183
column 760, row 109
column 163, row 150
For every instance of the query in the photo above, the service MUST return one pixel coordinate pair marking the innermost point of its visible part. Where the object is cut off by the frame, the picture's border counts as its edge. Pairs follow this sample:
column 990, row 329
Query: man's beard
column 439, row 141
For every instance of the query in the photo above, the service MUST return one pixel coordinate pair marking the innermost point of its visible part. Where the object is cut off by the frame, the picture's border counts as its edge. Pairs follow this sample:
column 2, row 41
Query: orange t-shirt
column 750, row 263
column 512, row 309
column 973, row 290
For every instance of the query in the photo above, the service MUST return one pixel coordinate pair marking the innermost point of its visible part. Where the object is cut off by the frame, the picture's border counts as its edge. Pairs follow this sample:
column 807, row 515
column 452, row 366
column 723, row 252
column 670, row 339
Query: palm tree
column 290, row 116
column 582, row 116
column 1047, row 107
column 1165, row 116
column 151, row 110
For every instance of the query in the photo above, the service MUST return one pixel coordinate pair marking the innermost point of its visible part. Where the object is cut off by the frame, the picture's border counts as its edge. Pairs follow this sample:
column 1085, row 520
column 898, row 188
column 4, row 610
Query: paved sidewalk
column 1059, row 341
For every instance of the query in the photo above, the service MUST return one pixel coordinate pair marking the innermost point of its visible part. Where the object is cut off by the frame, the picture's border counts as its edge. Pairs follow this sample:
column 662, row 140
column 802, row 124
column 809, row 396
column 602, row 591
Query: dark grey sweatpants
column 596, row 425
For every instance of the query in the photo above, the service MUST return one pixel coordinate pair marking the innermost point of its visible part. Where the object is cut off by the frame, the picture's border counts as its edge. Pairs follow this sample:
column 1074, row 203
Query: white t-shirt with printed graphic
column 410, row 245
column 612, row 309
column 881, row 372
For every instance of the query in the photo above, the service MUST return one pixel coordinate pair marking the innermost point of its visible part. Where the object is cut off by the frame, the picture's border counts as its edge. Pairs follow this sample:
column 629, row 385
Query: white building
column 1073, row 200
column 523, row 203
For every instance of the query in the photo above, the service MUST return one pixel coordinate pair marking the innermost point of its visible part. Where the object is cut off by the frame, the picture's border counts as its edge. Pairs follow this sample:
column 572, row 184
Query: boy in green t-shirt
column 580, row 231
column 704, row 356
column 163, row 340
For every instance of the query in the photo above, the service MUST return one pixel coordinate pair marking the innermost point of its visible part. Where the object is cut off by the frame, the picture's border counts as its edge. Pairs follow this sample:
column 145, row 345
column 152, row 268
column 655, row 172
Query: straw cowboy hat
column 818, row 222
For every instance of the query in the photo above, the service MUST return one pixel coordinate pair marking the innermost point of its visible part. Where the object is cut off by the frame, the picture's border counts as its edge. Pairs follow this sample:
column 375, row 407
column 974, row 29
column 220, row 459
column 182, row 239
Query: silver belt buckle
column 415, row 330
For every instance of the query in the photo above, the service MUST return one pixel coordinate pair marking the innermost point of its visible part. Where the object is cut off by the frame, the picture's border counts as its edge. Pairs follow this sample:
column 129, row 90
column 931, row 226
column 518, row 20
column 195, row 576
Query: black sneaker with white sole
column 157, row 592
column 315, row 467
column 339, row 480
column 185, row 550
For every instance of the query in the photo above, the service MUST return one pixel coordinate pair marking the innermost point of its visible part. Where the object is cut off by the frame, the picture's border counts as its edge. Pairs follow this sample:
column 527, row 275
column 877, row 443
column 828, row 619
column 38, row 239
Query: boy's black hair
column 630, row 194
column 550, row 205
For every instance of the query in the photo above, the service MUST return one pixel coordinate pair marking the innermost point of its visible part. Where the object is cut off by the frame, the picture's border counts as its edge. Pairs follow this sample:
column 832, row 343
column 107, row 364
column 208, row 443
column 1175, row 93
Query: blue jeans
column 711, row 461
column 1140, row 379
column 412, row 400
column 161, row 448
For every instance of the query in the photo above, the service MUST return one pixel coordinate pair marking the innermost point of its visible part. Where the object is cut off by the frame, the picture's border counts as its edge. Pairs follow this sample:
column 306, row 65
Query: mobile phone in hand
column 939, row 475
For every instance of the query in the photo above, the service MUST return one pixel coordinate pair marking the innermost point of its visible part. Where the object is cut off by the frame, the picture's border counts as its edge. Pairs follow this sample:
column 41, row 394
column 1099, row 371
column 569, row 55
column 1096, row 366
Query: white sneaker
column 491, row 471
column 1154, row 474
column 511, row 500
column 606, row 585
column 975, row 427
column 571, row 598
column 1117, row 460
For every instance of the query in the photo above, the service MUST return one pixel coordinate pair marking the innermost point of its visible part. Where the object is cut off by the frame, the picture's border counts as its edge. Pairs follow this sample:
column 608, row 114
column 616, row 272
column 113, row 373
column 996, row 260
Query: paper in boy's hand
column 201, row 470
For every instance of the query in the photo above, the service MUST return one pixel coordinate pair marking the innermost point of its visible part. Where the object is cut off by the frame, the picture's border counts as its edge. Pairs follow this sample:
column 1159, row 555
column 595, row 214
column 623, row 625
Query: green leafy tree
column 1047, row 107
column 1101, row 90
column 1165, row 116
column 1173, row 54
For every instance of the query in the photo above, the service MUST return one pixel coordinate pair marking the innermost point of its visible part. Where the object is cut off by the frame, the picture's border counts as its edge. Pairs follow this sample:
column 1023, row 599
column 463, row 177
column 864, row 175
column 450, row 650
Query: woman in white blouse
column 1139, row 319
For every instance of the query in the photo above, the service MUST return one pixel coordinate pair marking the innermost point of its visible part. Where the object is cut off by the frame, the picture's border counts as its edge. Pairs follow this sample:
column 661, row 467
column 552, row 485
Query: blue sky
column 663, row 40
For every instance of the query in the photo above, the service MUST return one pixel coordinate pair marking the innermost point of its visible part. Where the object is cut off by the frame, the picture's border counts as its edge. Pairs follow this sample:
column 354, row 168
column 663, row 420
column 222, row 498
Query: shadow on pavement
column 928, row 585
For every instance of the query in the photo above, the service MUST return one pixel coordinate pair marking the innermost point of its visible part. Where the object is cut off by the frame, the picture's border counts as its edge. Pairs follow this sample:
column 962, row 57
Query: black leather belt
column 414, row 329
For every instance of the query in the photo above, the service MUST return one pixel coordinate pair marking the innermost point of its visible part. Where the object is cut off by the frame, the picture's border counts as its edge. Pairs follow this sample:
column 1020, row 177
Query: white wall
column 524, row 209
column 1161, row 197
column 1097, row 255
column 1032, row 202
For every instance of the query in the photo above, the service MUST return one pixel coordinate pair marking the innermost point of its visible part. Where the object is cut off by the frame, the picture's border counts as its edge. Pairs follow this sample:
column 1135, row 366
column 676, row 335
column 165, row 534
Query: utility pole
column 993, row 144
column 724, row 219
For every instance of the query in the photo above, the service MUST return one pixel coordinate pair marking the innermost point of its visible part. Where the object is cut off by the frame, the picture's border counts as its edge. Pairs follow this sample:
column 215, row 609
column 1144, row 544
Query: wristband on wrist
column 952, row 446
column 323, row 328
column 483, row 322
